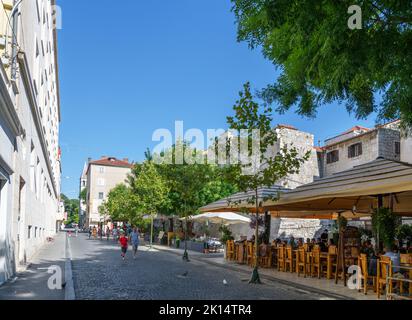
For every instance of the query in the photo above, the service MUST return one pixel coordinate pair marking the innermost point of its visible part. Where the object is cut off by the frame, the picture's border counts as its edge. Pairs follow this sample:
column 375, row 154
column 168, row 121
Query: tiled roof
column 286, row 126
column 112, row 162
column 356, row 128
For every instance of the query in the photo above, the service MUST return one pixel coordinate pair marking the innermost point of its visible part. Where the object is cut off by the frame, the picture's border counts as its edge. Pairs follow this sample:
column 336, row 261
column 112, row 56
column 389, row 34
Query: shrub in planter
column 384, row 224
column 226, row 234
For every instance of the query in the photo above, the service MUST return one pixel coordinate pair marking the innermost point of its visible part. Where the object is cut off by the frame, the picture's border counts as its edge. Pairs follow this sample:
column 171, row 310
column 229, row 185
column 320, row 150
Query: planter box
column 193, row 246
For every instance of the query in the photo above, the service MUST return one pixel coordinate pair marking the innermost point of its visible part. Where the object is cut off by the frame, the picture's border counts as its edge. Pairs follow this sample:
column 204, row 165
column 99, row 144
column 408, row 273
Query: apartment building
column 102, row 176
column 82, row 203
column 30, row 165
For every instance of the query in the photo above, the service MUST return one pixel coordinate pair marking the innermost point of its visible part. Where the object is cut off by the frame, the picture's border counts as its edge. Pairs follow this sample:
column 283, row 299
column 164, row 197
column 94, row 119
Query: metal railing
column 393, row 296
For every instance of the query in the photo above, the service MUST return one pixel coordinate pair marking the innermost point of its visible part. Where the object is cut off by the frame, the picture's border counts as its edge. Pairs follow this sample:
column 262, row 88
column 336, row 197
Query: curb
column 69, row 293
column 267, row 277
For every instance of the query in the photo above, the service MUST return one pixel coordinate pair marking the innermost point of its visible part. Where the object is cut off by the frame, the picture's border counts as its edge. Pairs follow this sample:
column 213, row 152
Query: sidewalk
column 31, row 284
column 322, row 286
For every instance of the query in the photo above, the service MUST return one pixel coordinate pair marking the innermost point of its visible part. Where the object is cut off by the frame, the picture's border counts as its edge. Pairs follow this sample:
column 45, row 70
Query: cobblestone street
column 100, row 273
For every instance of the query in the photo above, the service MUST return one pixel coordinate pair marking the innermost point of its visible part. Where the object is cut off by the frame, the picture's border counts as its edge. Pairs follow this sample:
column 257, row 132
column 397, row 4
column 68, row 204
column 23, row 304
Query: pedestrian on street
column 134, row 239
column 123, row 244
column 108, row 233
column 115, row 232
column 90, row 232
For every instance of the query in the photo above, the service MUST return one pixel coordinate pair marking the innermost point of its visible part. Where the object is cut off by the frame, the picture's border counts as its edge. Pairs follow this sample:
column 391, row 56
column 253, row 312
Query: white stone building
column 30, row 168
column 82, row 204
column 102, row 176
column 354, row 147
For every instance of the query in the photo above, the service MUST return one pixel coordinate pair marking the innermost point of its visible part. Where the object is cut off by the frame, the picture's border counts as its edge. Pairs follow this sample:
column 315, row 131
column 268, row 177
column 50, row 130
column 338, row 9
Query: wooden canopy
column 352, row 193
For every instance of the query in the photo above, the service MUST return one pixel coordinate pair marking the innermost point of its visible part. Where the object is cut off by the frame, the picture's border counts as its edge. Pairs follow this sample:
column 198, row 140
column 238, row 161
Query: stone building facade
column 354, row 147
column 30, row 158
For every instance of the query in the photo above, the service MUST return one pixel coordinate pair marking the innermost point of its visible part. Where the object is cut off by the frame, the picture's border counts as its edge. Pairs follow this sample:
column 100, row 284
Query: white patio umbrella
column 226, row 218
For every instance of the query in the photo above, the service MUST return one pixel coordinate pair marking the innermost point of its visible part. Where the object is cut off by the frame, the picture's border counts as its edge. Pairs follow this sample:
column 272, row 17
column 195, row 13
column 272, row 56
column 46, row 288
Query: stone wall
column 387, row 139
column 303, row 142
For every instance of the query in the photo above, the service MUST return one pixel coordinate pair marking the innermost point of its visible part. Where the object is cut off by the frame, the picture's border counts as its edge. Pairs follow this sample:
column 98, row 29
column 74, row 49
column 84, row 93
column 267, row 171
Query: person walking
column 115, row 232
column 90, row 232
column 108, row 233
column 123, row 245
column 134, row 239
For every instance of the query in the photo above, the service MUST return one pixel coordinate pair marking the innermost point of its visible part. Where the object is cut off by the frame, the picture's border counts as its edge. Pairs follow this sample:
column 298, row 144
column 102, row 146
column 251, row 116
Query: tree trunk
column 255, row 279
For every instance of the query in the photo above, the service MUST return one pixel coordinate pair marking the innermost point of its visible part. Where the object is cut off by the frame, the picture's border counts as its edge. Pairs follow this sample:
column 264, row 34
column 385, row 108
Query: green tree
column 322, row 60
column 83, row 195
column 150, row 190
column 71, row 207
column 122, row 205
column 191, row 185
column 265, row 167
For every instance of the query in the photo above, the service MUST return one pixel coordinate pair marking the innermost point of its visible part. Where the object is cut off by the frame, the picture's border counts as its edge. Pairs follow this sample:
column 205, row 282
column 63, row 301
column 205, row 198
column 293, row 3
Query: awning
column 226, row 218
column 353, row 193
column 355, row 190
column 239, row 200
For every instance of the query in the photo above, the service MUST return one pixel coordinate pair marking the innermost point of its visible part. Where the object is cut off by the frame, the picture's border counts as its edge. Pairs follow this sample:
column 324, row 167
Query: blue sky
column 130, row 67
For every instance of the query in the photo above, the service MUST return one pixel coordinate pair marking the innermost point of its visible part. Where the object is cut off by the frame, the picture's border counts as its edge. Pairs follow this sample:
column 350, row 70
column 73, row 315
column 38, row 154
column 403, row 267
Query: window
column 35, row 232
column 355, row 150
column 332, row 157
column 29, row 232
column 101, row 195
column 100, row 182
column 101, row 169
column 397, row 148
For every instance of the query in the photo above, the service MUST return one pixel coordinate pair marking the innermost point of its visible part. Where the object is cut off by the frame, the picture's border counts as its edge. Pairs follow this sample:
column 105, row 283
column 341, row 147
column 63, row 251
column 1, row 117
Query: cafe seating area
column 317, row 260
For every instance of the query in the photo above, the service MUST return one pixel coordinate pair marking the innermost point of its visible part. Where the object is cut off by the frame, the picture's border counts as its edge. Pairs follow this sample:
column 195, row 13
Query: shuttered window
column 355, row 150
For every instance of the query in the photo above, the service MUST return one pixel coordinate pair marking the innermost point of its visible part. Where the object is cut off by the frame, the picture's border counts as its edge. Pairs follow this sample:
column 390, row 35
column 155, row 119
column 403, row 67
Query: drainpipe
column 14, row 39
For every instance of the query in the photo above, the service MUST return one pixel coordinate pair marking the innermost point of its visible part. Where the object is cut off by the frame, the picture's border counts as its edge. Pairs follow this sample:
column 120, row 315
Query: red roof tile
column 356, row 128
column 286, row 126
column 112, row 162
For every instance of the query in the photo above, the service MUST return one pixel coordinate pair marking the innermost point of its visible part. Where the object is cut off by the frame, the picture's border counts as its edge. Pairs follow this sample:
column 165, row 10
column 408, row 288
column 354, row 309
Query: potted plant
column 177, row 242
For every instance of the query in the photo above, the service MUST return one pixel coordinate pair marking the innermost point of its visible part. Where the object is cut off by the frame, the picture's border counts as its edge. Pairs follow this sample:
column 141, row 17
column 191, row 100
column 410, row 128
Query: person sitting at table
column 324, row 236
column 322, row 245
column 252, row 239
column 300, row 242
column 367, row 248
column 292, row 242
column 313, row 242
column 391, row 252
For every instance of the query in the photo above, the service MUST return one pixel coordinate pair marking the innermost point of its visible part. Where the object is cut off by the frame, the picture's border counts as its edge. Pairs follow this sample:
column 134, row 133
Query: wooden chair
column 265, row 256
column 281, row 258
column 332, row 262
column 274, row 254
column 406, row 258
column 289, row 259
column 230, row 250
column 384, row 271
column 317, row 264
column 250, row 253
column 301, row 262
column 364, row 276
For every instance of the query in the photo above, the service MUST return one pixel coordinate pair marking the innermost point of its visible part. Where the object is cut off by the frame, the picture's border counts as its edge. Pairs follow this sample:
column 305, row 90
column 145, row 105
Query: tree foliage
column 322, row 60
column 71, row 207
column 265, row 167
column 122, row 205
